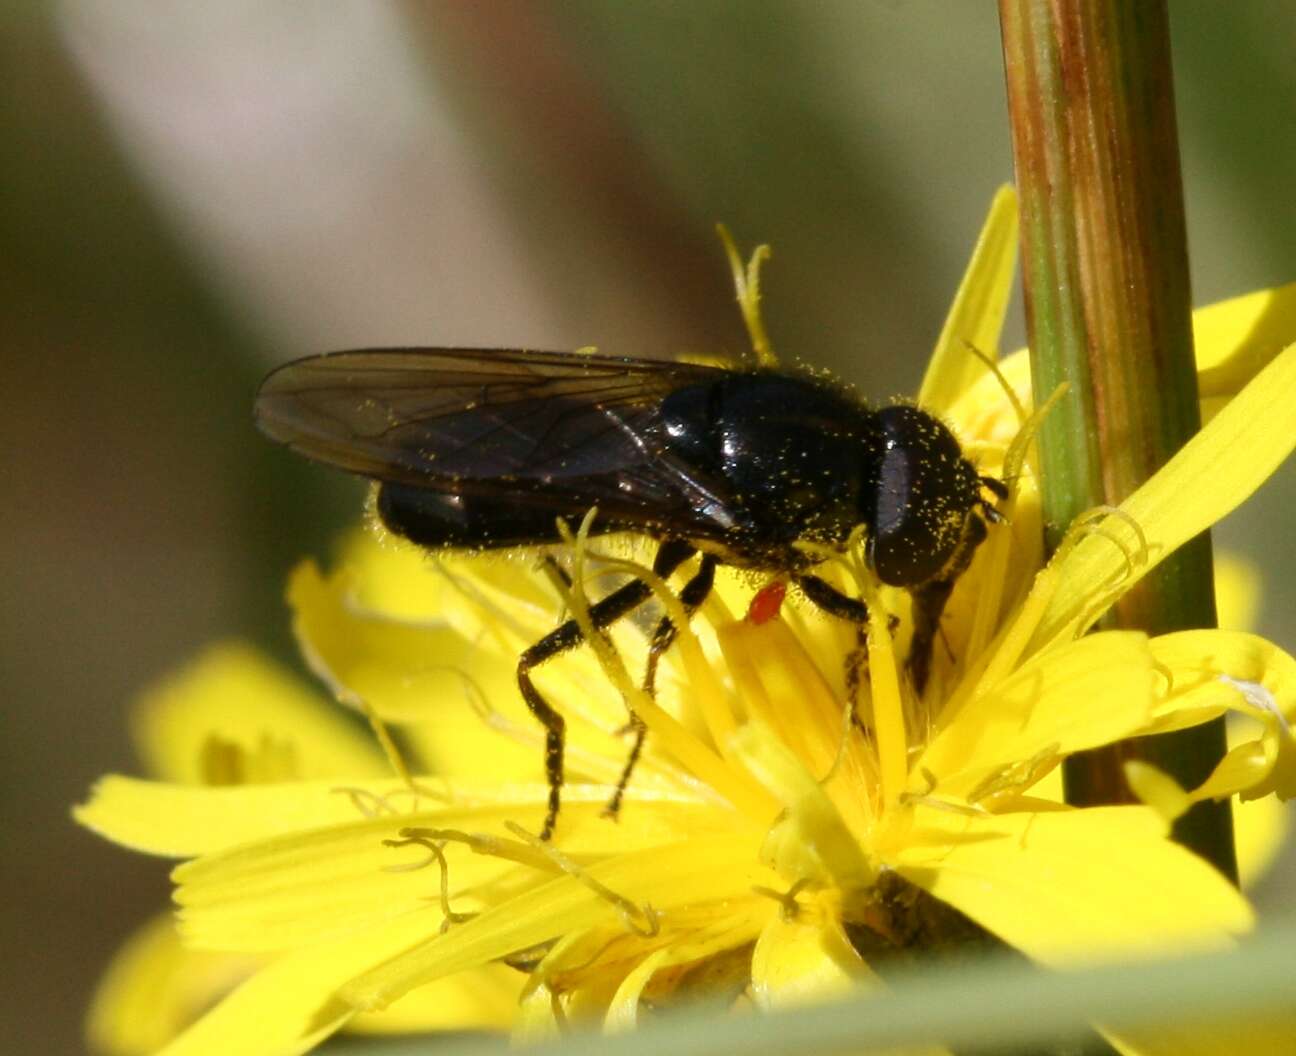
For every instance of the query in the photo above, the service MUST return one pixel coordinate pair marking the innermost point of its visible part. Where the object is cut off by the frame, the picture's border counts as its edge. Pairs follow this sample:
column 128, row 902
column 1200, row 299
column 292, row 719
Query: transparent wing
column 553, row 428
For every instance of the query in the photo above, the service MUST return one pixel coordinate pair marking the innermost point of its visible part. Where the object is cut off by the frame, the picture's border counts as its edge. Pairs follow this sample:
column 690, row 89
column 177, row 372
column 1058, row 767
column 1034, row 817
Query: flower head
column 799, row 815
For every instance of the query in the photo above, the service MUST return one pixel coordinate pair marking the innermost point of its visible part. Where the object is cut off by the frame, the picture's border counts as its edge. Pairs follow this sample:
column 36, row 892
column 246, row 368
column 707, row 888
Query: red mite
column 768, row 601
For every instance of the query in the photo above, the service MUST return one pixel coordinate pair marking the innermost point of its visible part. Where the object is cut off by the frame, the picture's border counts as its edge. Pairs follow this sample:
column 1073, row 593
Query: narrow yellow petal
column 659, row 879
column 1089, row 692
column 288, row 891
column 460, row 695
column 699, row 962
column 984, row 413
column 784, row 689
column 323, row 882
column 1260, row 829
column 181, row 821
column 1215, row 471
column 888, row 708
column 1236, row 338
column 1158, row 790
column 976, row 317
column 1075, row 886
column 484, row 998
column 289, row 1006
column 1256, row 768
column 155, row 987
column 1243, row 769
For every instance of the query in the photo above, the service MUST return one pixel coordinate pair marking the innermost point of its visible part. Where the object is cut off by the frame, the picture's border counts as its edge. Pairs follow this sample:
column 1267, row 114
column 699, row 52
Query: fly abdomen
column 471, row 522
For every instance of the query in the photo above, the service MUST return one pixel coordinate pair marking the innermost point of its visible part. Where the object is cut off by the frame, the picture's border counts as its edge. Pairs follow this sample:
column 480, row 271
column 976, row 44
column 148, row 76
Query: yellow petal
column 623, row 1010
column 155, row 987
column 458, row 695
column 983, row 413
column 707, row 960
column 1260, row 829
column 233, row 693
column 1248, row 673
column 662, row 878
column 1074, row 886
column 1158, row 790
column 537, row 1019
column 181, row 821
column 363, row 632
column 289, row 1006
column 811, row 840
column 484, row 998
column 1196, row 657
column 1214, row 472
column 1244, row 768
column 785, row 690
column 403, row 670
column 475, row 595
column 287, row 890
column 1238, row 588
column 976, row 317
column 1089, row 692
column 804, row 959
column 1236, row 338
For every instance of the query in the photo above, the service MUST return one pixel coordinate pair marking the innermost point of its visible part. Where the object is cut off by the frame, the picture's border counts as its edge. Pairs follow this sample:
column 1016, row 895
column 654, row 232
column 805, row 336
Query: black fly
column 485, row 449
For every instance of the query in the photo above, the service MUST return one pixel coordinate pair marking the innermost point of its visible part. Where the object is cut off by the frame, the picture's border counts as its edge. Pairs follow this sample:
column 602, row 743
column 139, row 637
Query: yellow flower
column 778, row 842
column 231, row 718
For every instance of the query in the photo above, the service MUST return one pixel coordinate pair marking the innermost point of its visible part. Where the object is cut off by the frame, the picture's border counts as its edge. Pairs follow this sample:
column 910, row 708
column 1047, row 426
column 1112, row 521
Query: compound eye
column 918, row 526
column 926, row 492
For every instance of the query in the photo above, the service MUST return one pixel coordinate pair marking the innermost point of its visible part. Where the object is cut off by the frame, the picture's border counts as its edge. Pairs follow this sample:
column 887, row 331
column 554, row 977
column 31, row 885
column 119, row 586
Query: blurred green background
column 194, row 192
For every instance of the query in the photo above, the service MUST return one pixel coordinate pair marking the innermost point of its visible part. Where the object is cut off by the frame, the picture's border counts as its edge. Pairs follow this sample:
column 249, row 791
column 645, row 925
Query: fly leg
column 832, row 601
column 928, row 604
column 693, row 594
column 929, row 599
column 603, row 614
column 856, row 669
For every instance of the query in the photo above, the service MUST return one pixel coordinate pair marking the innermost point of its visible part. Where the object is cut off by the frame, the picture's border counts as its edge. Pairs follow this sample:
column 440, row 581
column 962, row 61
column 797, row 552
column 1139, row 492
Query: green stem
column 1108, row 310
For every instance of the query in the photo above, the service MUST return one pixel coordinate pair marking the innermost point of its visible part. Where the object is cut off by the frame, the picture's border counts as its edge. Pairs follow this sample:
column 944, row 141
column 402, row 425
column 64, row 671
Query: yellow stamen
column 372, row 804
column 706, row 691
column 490, row 846
column 642, row 920
column 385, row 741
column 747, row 283
column 1010, row 394
column 669, row 732
column 789, row 907
column 888, row 704
column 437, row 852
column 986, row 615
